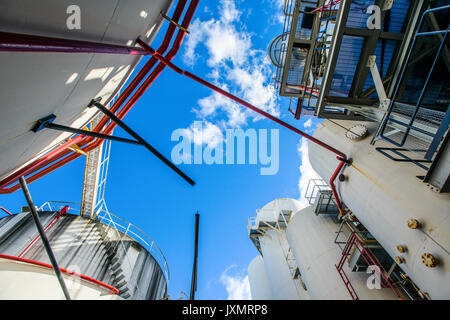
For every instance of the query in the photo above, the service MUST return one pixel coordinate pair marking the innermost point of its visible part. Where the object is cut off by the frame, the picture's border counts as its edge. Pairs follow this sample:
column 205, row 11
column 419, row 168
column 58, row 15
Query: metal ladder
column 340, row 265
column 369, row 258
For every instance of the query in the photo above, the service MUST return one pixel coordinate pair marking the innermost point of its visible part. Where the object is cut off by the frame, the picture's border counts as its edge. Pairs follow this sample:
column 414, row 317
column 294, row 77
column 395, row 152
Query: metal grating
column 347, row 62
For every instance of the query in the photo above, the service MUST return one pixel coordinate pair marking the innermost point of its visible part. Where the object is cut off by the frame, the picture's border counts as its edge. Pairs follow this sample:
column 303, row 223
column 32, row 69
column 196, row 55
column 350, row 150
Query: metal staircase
column 91, row 176
column 340, row 265
column 116, row 253
column 355, row 245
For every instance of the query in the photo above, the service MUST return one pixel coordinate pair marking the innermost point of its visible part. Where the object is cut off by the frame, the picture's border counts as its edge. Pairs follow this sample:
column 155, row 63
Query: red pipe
column 177, row 44
column 62, row 150
column 326, row 6
column 341, row 155
column 165, row 61
column 6, row 211
column 42, row 264
column 60, row 213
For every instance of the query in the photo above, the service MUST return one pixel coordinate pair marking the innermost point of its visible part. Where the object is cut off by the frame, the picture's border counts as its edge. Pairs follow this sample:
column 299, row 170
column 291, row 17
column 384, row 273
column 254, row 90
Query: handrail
column 82, row 276
column 88, row 142
column 331, row 3
column 388, row 118
column 371, row 260
column 317, row 52
column 369, row 254
column 148, row 244
column 59, row 214
column 6, row 211
column 164, row 265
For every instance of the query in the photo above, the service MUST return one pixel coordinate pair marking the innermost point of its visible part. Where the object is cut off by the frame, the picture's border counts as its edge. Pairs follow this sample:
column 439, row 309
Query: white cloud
column 308, row 123
column 278, row 16
column 237, row 286
column 306, row 171
column 236, row 67
column 205, row 133
column 220, row 37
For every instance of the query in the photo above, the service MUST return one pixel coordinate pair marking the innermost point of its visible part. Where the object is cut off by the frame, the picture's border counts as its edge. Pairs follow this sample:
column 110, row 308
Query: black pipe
column 119, row 122
column 194, row 269
column 89, row 133
column 47, row 246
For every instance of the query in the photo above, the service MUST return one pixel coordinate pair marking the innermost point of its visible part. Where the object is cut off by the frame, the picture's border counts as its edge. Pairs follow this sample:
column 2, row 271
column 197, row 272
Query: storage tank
column 312, row 240
column 34, row 85
column 110, row 262
column 258, row 280
column 384, row 195
column 269, row 226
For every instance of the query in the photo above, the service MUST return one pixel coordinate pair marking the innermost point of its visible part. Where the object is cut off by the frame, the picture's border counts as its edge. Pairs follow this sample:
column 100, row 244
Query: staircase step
column 108, row 244
column 116, row 266
column 111, row 251
column 124, row 290
column 126, row 295
column 119, row 278
column 121, row 284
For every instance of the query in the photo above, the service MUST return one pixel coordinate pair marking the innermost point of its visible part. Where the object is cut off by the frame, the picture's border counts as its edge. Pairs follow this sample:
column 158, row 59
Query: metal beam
column 287, row 58
column 338, row 33
column 45, row 241
column 131, row 132
column 435, row 26
column 369, row 46
column 358, row 32
column 416, row 9
column 90, row 133
column 194, row 268
column 343, row 100
column 16, row 42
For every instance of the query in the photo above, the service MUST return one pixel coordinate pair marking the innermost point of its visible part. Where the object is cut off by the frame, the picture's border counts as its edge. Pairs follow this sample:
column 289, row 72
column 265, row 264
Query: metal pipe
column 45, row 241
column 28, row 43
column 6, row 211
column 90, row 133
column 342, row 156
column 194, row 268
column 62, row 150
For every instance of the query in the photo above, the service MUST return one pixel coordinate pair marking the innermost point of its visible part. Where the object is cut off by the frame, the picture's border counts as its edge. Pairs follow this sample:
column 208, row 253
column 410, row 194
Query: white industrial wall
column 23, row 281
column 258, row 280
column 78, row 245
column 35, row 85
column 311, row 239
column 384, row 195
column 280, row 279
column 274, row 248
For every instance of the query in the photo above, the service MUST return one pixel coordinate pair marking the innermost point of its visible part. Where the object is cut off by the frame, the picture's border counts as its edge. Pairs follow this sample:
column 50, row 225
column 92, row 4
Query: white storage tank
column 384, row 195
column 34, row 85
column 259, row 282
column 311, row 239
column 110, row 264
column 270, row 223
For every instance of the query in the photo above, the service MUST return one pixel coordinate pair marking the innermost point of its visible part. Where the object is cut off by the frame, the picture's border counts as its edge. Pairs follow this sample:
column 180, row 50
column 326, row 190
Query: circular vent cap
column 357, row 132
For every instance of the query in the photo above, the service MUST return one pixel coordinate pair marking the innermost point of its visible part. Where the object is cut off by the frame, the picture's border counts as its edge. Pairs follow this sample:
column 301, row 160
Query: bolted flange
column 429, row 260
column 399, row 260
column 413, row 224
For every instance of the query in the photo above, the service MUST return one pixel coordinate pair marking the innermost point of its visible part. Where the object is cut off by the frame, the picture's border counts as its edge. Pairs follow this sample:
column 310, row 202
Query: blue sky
column 226, row 46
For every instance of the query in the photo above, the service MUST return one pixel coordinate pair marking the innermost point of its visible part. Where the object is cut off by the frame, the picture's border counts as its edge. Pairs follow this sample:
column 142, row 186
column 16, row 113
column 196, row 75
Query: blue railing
column 408, row 125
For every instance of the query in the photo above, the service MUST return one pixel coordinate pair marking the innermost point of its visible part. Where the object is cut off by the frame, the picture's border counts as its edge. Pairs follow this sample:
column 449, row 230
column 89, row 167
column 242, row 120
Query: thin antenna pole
column 47, row 246
column 194, row 269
